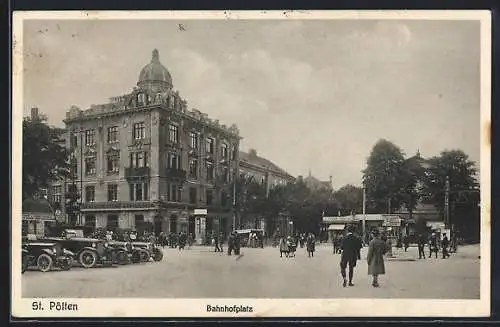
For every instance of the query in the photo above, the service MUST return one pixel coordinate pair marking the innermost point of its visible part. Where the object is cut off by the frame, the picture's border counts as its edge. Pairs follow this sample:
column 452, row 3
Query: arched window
column 141, row 99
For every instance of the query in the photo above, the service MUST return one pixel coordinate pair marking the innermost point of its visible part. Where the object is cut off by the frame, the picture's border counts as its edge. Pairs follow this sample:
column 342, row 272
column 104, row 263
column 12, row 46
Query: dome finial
column 156, row 55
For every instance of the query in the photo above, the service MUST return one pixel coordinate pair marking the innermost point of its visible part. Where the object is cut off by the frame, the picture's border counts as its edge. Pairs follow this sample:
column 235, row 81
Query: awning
column 336, row 227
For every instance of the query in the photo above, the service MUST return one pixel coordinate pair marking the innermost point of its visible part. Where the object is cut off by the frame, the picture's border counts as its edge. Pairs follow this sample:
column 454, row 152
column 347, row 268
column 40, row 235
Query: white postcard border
column 171, row 308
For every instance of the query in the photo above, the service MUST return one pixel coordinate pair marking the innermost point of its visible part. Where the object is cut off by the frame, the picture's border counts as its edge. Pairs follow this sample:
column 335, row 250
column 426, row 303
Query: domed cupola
column 154, row 76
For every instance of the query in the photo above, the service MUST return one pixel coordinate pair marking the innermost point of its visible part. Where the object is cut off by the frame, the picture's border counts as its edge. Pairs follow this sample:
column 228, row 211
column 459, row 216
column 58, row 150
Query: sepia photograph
column 251, row 164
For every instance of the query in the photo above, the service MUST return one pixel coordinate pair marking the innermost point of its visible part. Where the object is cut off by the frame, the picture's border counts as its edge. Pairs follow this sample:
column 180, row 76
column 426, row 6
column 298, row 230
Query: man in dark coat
column 421, row 246
column 351, row 253
column 230, row 243
column 444, row 246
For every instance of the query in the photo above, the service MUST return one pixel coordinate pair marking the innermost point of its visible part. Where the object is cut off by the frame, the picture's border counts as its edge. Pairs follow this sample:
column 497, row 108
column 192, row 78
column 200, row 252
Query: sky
column 306, row 94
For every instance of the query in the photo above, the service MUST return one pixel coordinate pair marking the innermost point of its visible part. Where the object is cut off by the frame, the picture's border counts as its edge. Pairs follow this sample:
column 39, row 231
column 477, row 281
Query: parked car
column 45, row 256
column 89, row 252
column 149, row 250
column 125, row 252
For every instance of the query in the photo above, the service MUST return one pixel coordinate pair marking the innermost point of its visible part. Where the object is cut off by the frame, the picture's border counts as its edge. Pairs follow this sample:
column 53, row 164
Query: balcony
column 137, row 172
column 175, row 174
column 117, row 205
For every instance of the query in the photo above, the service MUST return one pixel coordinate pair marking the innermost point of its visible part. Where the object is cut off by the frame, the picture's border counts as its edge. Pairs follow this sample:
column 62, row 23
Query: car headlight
column 54, row 250
column 93, row 245
column 106, row 245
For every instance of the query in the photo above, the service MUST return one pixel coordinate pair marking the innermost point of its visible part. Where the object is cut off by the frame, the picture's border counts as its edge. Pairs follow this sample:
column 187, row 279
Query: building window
column 139, row 192
column 139, row 131
column 174, row 193
column 224, row 151
column 174, row 161
column 223, row 199
column 113, row 163
column 113, row 134
column 73, row 165
column 90, row 166
column 193, row 167
column 56, row 194
column 210, row 197
column 113, row 222
column 173, row 133
column 139, row 221
column 90, row 221
column 192, row 195
column 193, row 136
column 139, row 159
column 235, row 152
column 225, row 174
column 73, row 141
column 89, row 194
column 210, row 145
column 210, row 171
column 112, row 192
column 90, row 137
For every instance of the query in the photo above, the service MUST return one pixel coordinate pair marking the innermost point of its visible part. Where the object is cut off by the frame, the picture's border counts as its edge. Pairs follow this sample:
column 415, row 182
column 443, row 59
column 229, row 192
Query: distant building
column 315, row 184
column 144, row 160
column 36, row 212
column 263, row 171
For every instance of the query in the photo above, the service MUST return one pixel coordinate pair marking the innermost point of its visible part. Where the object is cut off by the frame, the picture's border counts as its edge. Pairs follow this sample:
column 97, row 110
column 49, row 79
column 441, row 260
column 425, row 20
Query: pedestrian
column 444, row 246
column 237, row 243
column 433, row 246
column 283, row 247
column 375, row 257
column 311, row 245
column 340, row 239
column 230, row 243
column 421, row 246
column 351, row 253
column 216, row 243
column 182, row 240
column 190, row 240
column 406, row 242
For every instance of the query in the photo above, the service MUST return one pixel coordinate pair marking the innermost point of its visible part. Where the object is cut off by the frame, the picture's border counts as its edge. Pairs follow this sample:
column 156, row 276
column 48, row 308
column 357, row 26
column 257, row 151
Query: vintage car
column 125, row 252
column 89, row 252
column 150, row 250
column 45, row 256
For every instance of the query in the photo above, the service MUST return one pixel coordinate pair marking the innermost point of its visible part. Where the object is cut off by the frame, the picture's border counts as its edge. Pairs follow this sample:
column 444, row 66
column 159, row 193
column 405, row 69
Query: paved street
column 261, row 273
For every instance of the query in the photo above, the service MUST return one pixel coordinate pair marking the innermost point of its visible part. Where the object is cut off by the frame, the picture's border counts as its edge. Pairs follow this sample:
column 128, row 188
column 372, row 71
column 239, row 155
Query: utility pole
column 234, row 200
column 364, row 213
column 447, row 203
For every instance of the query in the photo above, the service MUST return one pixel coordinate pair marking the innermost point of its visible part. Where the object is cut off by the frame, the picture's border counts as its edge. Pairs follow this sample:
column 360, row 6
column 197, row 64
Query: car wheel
column 145, row 256
column 88, row 258
column 122, row 258
column 158, row 256
column 44, row 262
column 25, row 263
column 136, row 257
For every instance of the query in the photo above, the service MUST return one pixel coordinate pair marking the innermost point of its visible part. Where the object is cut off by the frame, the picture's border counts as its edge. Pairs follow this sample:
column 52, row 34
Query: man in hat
column 351, row 252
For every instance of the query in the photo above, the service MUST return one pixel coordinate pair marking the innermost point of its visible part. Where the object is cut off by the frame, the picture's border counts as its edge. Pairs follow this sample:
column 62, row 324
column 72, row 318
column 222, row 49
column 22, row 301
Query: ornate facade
column 144, row 159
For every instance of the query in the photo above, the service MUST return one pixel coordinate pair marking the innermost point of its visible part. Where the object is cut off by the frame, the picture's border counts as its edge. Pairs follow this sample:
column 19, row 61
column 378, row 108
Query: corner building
column 144, row 161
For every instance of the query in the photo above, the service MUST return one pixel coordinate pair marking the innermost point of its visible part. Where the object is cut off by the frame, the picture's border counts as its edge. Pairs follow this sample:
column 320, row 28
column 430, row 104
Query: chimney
column 252, row 153
column 300, row 178
column 34, row 113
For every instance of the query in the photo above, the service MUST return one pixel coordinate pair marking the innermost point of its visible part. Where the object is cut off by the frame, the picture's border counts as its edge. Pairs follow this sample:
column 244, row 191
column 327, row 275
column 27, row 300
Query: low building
column 315, row 184
column 263, row 171
column 36, row 213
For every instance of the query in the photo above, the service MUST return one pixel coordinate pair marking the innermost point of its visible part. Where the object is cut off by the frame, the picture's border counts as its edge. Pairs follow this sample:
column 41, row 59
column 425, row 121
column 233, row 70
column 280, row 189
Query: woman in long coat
column 375, row 257
column 283, row 247
column 311, row 245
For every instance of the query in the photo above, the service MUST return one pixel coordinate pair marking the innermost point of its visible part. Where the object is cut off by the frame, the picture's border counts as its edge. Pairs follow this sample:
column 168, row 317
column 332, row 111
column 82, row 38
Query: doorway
column 158, row 225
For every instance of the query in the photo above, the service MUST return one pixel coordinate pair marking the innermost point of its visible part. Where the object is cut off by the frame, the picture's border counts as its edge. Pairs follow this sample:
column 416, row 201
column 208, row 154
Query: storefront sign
column 392, row 222
column 200, row 212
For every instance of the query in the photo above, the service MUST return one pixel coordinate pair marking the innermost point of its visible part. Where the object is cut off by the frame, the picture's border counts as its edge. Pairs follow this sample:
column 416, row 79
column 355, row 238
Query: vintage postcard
column 251, row 164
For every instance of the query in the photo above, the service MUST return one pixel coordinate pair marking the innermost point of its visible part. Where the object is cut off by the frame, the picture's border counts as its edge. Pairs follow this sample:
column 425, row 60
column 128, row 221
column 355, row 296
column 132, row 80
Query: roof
column 261, row 162
column 350, row 218
column 37, row 206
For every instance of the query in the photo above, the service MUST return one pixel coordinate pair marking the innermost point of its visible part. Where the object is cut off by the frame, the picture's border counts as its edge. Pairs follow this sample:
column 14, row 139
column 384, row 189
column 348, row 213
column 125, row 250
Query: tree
column 349, row 198
column 411, row 174
column 382, row 177
column 44, row 160
column 460, row 170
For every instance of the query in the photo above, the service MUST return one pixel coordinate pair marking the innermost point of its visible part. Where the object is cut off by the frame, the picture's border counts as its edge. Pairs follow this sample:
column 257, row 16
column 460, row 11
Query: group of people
column 350, row 249
column 288, row 245
column 434, row 243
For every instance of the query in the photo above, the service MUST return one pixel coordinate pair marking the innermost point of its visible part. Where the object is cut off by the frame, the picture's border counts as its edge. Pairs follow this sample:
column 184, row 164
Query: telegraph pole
column 447, row 203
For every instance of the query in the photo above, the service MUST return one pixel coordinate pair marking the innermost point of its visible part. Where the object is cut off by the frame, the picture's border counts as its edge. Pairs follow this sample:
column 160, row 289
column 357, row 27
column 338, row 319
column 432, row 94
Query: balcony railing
column 117, row 205
column 137, row 172
column 177, row 174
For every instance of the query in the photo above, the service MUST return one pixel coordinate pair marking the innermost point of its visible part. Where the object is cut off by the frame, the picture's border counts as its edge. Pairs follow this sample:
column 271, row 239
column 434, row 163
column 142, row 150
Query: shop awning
column 336, row 227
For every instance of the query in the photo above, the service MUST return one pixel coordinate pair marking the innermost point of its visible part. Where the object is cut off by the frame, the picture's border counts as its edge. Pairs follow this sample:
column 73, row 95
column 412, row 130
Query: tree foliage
column 383, row 178
column 44, row 160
